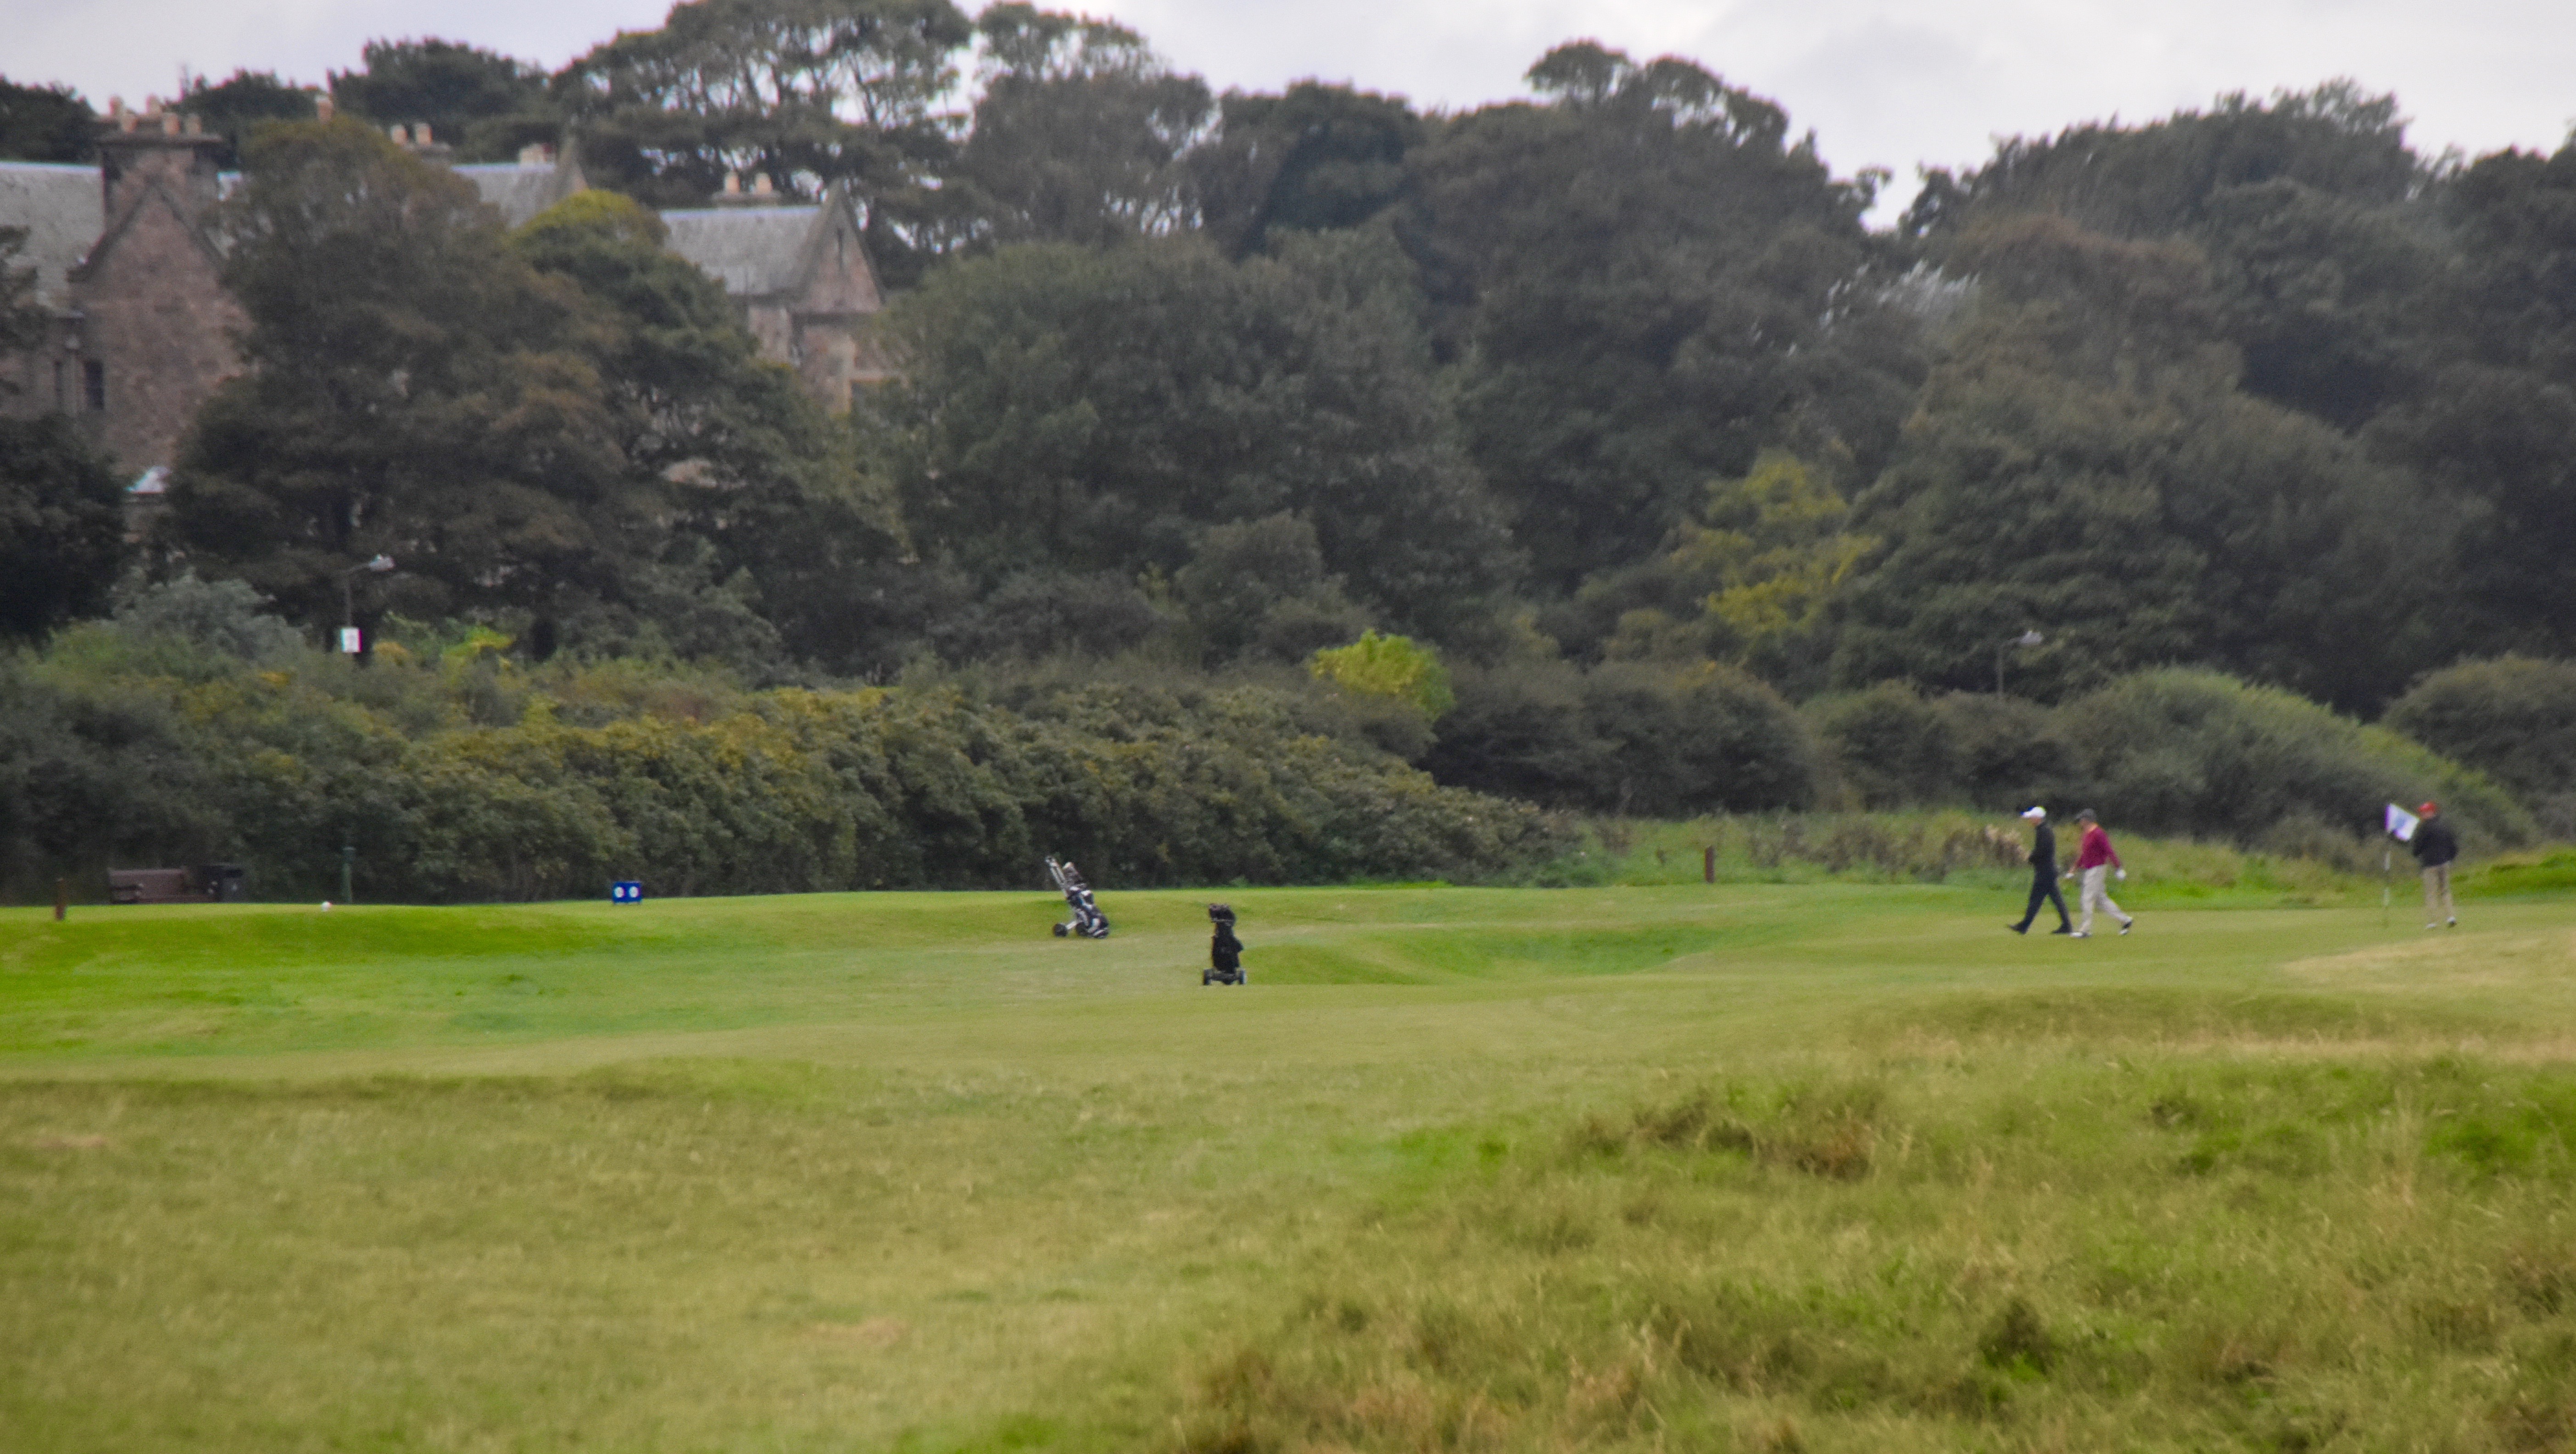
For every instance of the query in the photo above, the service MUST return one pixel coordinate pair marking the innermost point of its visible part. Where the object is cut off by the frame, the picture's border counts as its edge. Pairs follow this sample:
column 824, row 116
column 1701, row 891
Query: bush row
column 786, row 790
column 191, row 730
column 2169, row 752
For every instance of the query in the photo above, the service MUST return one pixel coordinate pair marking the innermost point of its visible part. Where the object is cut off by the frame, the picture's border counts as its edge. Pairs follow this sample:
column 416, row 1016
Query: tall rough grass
column 2303, row 862
column 2144, row 1251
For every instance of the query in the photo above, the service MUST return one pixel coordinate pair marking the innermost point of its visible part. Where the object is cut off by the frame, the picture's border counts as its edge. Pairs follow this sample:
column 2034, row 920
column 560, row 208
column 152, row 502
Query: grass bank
column 2307, row 867
column 1817, row 1166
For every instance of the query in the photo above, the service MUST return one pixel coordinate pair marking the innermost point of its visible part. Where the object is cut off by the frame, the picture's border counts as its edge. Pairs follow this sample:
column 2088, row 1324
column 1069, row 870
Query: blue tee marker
column 626, row 891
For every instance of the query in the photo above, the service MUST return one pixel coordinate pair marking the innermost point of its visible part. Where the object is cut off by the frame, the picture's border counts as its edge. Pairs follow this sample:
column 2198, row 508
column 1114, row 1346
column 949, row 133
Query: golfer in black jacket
column 2043, row 877
column 2434, row 848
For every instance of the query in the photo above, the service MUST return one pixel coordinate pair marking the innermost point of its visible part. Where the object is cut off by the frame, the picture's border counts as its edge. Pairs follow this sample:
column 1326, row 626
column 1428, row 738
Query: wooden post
column 1708, row 864
column 62, row 898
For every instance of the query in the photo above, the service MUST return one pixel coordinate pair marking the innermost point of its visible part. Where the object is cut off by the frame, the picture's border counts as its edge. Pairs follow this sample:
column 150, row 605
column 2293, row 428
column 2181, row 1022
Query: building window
column 94, row 385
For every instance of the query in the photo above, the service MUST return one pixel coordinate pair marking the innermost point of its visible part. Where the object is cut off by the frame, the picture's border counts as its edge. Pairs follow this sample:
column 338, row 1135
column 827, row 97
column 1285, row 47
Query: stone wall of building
column 834, row 312
column 149, row 333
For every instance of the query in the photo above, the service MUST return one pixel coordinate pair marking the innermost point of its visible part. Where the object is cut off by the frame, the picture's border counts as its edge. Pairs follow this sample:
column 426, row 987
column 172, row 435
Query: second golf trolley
column 1225, row 952
column 1087, row 921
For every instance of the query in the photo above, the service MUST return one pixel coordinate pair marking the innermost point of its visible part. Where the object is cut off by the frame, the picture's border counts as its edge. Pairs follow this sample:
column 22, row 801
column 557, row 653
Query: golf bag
column 1225, row 952
column 1087, row 921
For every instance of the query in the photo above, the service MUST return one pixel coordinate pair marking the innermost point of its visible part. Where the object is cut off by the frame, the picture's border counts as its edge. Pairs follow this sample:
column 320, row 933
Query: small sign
column 352, row 640
column 626, row 891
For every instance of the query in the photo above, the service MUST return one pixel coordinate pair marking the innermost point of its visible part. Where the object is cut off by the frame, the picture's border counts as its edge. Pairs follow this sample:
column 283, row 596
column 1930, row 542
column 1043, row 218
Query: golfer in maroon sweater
column 2095, row 859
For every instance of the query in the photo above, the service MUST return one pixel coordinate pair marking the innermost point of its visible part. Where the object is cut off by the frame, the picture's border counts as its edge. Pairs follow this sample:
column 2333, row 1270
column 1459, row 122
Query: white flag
column 2401, row 824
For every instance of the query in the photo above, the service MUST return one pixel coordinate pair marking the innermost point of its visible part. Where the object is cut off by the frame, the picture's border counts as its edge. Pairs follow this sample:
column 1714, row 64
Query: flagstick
column 2386, row 853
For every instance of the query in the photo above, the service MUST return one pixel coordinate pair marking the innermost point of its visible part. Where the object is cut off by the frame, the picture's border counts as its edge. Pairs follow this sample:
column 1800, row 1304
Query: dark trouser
column 2043, row 890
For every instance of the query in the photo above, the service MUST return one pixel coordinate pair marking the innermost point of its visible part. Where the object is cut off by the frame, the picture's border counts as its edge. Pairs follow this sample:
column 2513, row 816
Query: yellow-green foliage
column 1393, row 667
column 1775, row 546
column 1760, row 566
column 597, row 210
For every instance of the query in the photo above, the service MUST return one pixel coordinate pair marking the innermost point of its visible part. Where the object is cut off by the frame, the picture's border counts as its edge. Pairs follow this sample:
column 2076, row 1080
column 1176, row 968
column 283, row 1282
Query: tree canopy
column 1617, row 375
column 569, row 426
column 483, row 103
column 1105, row 409
column 44, row 124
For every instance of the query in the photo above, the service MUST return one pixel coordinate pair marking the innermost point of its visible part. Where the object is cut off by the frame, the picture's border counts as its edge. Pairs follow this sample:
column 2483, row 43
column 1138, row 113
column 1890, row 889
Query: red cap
column 2432, row 808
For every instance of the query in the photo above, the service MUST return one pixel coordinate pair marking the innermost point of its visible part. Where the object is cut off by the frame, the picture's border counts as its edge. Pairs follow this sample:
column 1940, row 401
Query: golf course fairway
column 1760, row 1167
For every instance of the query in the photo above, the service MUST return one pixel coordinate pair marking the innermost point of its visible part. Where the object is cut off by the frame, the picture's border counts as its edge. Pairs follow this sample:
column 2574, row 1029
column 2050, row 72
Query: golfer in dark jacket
column 2043, row 877
column 2434, row 848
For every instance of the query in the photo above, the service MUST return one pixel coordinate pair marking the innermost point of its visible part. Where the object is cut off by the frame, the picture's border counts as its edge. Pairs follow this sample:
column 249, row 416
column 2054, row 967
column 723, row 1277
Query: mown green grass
column 1763, row 1167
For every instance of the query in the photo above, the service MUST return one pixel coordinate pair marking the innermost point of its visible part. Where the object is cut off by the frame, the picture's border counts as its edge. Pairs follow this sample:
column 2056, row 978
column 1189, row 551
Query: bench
column 154, row 886
column 212, row 883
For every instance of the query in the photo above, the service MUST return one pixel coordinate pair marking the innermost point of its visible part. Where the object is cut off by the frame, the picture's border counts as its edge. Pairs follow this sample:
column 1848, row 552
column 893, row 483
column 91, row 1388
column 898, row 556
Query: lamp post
column 350, row 641
column 2027, row 638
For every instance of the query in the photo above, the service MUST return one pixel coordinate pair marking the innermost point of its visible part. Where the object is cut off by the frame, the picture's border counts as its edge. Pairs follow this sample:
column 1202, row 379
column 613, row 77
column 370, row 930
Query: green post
column 348, row 861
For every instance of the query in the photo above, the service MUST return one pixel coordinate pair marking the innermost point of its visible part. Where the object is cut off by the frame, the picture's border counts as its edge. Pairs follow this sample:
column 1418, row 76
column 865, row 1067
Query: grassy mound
column 1808, row 1166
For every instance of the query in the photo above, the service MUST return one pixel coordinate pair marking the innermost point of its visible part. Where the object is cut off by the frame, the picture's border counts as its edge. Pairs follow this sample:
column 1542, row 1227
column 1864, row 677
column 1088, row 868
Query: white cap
column 2035, row 814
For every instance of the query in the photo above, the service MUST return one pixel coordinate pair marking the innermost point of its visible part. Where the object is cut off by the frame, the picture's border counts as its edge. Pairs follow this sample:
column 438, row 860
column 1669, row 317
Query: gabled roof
column 754, row 251
column 153, row 192
column 522, row 189
column 63, row 209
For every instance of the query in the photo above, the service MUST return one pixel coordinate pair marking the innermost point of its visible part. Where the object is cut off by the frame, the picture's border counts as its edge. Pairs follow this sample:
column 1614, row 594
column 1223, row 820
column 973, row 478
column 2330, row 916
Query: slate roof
column 63, row 209
column 521, row 190
column 754, row 251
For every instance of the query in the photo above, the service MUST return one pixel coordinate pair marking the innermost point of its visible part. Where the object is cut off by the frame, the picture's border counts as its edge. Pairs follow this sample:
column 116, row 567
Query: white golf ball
column 326, row 906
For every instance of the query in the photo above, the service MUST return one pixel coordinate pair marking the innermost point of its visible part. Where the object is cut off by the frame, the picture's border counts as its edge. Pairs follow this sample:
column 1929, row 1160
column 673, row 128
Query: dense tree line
column 1610, row 397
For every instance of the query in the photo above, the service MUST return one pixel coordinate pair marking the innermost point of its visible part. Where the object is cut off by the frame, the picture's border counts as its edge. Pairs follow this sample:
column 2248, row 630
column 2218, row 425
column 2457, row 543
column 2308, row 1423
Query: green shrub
column 94, row 779
column 1389, row 666
column 1889, row 747
column 2008, row 752
column 1628, row 736
column 2513, row 719
column 223, row 620
column 2182, row 751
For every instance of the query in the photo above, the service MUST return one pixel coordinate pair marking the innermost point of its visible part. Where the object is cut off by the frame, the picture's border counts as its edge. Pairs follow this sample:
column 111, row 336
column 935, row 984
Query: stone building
column 800, row 274
column 140, row 328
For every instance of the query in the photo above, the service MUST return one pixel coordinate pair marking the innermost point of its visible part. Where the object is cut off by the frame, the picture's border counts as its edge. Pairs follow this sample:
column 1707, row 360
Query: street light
column 2027, row 638
column 350, row 640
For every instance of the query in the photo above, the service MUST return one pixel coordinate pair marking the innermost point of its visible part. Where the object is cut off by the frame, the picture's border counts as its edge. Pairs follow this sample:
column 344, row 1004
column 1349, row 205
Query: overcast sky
column 1892, row 83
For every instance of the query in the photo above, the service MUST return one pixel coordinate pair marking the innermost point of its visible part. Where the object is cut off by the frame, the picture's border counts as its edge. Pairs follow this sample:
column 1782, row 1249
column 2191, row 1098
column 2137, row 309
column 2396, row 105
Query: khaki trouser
column 2094, row 893
column 2437, row 895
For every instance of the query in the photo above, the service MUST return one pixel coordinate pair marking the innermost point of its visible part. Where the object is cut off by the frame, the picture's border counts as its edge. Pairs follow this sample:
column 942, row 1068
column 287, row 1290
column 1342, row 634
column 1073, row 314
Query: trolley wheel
column 1059, row 931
